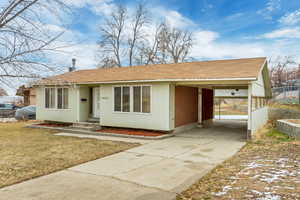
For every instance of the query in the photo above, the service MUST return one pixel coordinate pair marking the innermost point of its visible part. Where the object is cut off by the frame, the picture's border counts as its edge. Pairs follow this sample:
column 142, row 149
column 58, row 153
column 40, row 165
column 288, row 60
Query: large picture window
column 57, row 98
column 141, row 99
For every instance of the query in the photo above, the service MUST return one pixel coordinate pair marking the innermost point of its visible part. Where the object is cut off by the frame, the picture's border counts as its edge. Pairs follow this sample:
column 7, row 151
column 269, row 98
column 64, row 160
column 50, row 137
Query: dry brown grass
column 26, row 153
column 285, row 106
column 265, row 169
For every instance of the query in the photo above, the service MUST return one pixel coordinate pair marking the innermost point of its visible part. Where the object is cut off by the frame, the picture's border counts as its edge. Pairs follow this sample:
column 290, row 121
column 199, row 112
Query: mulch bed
column 125, row 131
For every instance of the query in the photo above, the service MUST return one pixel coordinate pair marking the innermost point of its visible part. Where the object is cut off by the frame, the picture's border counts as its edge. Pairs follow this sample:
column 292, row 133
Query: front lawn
column 26, row 153
column 268, row 168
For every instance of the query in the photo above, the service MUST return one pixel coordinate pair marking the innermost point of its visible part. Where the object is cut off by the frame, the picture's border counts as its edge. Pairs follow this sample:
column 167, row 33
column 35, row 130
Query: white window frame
column 131, row 99
column 141, row 103
column 55, row 98
column 63, row 93
column 49, row 96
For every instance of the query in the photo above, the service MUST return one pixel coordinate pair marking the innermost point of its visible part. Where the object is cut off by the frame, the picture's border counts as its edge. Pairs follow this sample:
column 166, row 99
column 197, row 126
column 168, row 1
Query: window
column 59, row 94
column 62, row 98
column 50, row 98
column 125, row 99
column 122, row 99
column 118, row 98
column 141, row 99
column 146, row 99
column 137, row 99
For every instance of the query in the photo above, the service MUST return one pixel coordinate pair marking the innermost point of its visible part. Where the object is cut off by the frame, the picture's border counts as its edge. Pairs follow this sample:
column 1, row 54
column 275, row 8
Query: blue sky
column 222, row 28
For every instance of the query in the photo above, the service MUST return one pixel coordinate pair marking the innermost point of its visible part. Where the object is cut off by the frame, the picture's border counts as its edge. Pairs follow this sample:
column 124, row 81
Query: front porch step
column 88, row 126
column 93, row 120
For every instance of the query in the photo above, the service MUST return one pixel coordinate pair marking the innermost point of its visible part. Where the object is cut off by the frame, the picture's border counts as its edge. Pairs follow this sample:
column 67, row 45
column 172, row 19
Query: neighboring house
column 3, row 92
column 163, row 97
column 28, row 94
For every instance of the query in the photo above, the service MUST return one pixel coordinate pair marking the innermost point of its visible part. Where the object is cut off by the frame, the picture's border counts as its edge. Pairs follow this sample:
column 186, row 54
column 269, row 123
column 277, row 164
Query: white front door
column 96, row 102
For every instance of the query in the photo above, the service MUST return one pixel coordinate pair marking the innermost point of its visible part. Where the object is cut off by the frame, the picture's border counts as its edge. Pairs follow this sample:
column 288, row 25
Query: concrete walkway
column 155, row 170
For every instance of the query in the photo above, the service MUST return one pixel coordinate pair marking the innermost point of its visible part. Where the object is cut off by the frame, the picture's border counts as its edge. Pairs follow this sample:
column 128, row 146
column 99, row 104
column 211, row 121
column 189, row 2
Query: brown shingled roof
column 247, row 68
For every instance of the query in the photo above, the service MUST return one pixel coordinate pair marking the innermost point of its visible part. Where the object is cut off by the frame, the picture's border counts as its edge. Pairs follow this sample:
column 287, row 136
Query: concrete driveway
column 156, row 170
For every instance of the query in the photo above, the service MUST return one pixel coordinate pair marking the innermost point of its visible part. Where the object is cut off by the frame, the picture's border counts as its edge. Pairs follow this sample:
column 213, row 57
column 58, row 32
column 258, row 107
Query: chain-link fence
column 286, row 94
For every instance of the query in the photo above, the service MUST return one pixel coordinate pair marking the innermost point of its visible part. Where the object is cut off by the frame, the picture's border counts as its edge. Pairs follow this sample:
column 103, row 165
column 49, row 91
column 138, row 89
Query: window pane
column 66, row 98
column 117, row 97
column 126, row 99
column 59, row 98
column 137, row 99
column 146, row 99
column 47, row 98
column 52, row 98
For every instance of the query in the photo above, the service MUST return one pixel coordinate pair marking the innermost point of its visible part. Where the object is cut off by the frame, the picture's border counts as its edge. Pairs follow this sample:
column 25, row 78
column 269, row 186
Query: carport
column 194, row 101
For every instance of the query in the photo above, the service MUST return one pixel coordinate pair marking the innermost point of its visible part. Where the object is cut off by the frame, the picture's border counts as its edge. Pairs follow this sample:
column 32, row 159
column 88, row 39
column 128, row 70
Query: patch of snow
column 269, row 197
column 266, row 195
column 274, row 176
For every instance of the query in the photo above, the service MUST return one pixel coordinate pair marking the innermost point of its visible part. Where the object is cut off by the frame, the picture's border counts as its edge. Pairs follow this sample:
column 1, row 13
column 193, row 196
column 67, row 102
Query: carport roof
column 234, row 69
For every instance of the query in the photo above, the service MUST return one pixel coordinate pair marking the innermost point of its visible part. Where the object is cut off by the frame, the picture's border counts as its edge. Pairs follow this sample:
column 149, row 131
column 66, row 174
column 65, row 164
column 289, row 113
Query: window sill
column 132, row 113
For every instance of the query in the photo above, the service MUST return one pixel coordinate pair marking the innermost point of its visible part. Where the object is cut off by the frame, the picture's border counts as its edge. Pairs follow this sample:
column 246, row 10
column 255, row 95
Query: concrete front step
column 93, row 120
column 86, row 126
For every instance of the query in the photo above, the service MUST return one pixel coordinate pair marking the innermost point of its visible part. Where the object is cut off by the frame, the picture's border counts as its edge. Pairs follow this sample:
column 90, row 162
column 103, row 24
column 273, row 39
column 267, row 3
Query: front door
column 96, row 102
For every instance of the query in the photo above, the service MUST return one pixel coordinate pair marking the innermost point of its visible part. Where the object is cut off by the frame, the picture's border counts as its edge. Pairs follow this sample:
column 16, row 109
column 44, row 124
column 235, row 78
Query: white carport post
column 249, row 127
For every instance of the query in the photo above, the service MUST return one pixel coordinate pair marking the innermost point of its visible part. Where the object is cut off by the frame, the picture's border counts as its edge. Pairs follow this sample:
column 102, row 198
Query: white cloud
column 172, row 17
column 290, row 18
column 99, row 7
column 206, row 46
column 271, row 7
column 84, row 54
column 283, row 33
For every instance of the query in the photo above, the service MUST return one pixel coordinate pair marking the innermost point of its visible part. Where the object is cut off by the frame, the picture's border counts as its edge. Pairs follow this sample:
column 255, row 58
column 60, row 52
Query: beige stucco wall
column 258, row 88
column 61, row 115
column 259, row 119
column 158, row 119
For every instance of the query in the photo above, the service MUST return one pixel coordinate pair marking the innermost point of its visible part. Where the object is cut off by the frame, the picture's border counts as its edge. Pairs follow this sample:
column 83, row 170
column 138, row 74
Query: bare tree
column 112, row 35
column 175, row 44
column 107, row 62
column 24, row 40
column 279, row 71
column 148, row 49
column 167, row 44
column 139, row 20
